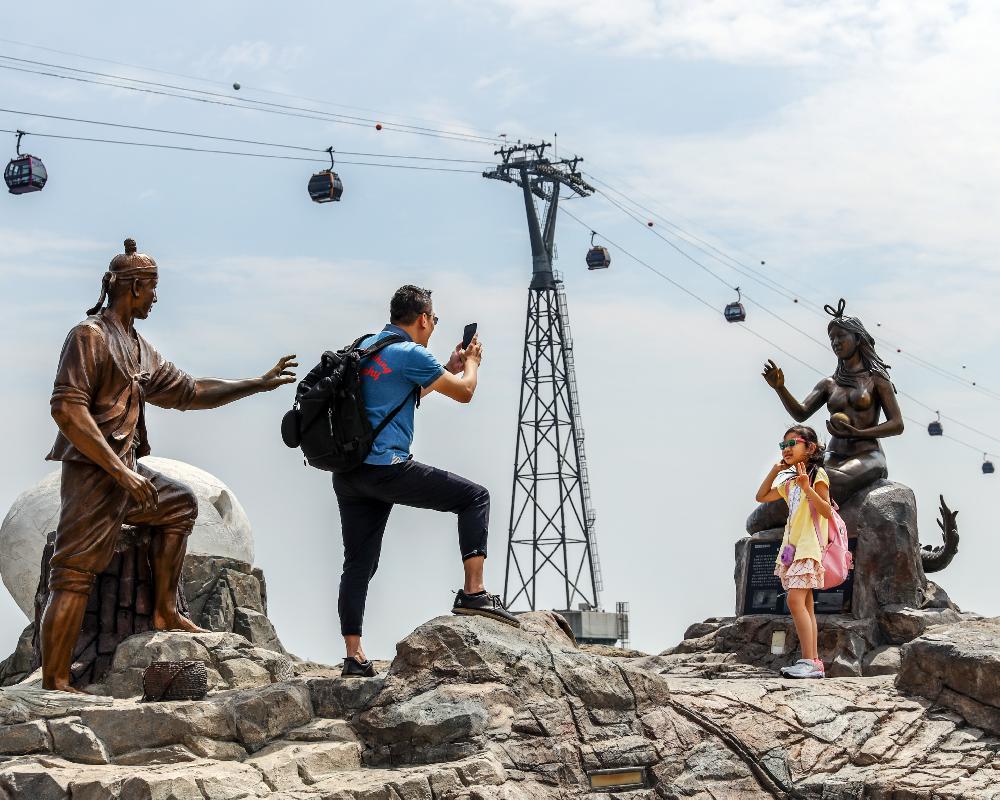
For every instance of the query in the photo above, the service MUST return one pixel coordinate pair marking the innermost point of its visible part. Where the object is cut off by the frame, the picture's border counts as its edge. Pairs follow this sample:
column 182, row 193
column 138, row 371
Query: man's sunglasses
column 429, row 314
column 790, row 443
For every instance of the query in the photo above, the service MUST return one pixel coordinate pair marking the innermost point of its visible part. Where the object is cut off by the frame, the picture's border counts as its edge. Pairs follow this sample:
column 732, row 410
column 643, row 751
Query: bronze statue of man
column 107, row 372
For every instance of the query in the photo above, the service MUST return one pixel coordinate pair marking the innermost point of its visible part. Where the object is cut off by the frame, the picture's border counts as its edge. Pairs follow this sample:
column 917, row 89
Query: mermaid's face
column 843, row 343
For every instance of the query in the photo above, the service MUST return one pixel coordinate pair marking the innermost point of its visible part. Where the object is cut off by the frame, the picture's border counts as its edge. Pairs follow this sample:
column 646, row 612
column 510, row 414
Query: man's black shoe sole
column 479, row 612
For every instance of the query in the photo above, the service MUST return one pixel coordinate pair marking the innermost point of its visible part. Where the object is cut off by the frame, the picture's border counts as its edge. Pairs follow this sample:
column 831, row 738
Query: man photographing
column 392, row 382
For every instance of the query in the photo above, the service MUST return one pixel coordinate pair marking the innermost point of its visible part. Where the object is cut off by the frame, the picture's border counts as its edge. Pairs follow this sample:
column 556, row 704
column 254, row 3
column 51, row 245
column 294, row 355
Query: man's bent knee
column 67, row 579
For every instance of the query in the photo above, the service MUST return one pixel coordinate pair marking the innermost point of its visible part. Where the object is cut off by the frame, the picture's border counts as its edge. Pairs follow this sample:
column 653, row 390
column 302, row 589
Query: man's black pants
column 367, row 494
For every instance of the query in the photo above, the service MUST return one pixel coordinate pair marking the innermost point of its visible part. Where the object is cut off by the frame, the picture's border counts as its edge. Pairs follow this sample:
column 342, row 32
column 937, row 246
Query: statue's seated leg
column 169, row 523
column 851, row 474
column 93, row 506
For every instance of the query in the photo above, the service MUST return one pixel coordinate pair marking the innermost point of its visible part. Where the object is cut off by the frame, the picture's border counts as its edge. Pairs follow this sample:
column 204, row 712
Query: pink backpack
column 837, row 559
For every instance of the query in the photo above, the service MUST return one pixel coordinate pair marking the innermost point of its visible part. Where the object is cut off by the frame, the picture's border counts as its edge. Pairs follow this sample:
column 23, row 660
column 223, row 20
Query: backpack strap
column 381, row 426
column 392, row 338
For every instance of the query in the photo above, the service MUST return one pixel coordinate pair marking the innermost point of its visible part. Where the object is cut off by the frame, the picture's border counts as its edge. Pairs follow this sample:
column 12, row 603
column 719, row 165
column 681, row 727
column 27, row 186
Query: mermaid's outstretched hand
column 773, row 375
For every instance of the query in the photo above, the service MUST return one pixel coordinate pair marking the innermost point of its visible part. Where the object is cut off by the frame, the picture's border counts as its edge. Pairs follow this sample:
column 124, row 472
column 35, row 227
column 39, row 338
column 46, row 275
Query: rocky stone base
column 218, row 594
column 849, row 647
column 472, row 709
column 957, row 666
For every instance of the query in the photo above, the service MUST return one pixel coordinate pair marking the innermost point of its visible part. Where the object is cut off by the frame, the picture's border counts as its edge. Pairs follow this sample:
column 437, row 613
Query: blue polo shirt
column 386, row 380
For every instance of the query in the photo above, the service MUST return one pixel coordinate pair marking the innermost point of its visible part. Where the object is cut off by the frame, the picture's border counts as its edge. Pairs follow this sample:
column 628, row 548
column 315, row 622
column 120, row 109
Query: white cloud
column 767, row 31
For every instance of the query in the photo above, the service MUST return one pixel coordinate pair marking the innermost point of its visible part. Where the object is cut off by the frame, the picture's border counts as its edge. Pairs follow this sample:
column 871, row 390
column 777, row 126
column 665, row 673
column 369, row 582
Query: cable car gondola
column 734, row 311
column 25, row 173
column 326, row 186
column 935, row 429
column 987, row 465
column 597, row 257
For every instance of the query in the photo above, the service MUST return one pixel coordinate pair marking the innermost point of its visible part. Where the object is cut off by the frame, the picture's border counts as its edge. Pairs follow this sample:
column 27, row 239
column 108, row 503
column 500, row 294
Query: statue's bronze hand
column 140, row 489
column 842, row 430
column 280, row 374
column 773, row 375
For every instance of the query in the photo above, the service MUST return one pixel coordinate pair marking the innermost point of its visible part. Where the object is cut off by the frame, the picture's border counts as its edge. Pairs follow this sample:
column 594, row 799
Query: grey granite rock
column 74, row 741
column 28, row 737
column 957, row 666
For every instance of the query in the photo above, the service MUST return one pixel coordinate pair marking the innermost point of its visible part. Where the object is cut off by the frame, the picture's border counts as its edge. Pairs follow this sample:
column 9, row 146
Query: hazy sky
column 850, row 145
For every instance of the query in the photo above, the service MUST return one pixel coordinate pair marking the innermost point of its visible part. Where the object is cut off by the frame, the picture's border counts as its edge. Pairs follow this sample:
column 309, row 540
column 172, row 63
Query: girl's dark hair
column 815, row 460
column 408, row 303
column 866, row 348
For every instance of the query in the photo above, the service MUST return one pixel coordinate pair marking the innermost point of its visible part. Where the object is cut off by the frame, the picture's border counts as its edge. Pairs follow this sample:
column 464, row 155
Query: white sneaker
column 803, row 668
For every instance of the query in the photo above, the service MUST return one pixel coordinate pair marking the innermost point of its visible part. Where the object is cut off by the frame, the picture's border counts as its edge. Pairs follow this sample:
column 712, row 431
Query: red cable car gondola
column 326, row 186
column 25, row 173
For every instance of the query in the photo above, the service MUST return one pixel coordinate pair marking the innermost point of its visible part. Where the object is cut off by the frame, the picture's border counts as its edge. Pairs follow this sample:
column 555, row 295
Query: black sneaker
column 483, row 605
column 357, row 669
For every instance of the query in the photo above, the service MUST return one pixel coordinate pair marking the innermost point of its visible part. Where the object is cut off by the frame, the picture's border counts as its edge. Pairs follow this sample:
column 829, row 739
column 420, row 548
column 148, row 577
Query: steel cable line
column 743, row 326
column 339, row 117
column 160, row 146
column 815, row 306
column 688, row 292
column 212, row 81
column 236, row 141
column 936, row 369
column 314, row 115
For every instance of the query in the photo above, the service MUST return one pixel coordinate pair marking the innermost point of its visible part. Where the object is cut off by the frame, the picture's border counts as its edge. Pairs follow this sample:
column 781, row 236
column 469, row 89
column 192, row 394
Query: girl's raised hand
column 801, row 476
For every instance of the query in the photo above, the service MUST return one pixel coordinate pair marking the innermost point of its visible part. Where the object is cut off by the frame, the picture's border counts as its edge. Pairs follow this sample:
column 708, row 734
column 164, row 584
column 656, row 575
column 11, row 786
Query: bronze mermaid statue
column 857, row 395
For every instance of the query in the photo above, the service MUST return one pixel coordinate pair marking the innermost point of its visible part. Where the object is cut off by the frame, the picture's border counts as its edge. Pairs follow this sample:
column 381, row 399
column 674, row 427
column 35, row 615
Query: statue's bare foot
column 175, row 622
column 61, row 686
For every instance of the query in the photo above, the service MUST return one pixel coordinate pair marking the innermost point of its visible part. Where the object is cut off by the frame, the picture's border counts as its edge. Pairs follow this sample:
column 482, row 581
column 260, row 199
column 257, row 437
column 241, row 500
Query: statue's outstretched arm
column 215, row 392
column 800, row 412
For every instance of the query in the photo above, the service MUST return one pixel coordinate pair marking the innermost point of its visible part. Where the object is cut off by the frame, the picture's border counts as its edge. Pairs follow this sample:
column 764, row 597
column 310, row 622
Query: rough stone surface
column 222, row 528
column 231, row 660
column 475, row 710
column 957, row 666
column 76, row 742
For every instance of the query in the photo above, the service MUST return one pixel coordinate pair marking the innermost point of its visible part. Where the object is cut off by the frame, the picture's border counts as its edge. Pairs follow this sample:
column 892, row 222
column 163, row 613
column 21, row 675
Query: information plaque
column 764, row 594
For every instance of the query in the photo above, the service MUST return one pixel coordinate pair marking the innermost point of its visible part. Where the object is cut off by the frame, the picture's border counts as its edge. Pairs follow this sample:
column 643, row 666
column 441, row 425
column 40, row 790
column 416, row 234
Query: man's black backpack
column 329, row 421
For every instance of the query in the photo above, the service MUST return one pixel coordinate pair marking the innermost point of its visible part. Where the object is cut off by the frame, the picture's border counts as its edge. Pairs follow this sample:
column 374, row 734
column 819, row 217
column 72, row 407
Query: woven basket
column 174, row 680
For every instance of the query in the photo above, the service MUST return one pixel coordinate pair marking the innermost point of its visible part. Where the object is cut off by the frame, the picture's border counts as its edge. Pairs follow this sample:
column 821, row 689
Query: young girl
column 799, row 562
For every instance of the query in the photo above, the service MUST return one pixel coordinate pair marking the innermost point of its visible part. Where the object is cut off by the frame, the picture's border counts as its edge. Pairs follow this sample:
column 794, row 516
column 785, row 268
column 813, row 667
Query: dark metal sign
column 763, row 593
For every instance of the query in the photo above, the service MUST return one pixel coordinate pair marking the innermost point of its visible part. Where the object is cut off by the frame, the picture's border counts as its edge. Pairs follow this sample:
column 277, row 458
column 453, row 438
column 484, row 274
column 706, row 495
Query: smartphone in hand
column 468, row 333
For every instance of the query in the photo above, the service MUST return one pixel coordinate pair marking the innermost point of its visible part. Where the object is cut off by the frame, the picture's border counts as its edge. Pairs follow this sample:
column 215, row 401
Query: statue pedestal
column 886, row 602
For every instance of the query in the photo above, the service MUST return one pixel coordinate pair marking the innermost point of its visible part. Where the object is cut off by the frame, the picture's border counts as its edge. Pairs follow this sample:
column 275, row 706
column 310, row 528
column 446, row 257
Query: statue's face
column 843, row 343
column 144, row 292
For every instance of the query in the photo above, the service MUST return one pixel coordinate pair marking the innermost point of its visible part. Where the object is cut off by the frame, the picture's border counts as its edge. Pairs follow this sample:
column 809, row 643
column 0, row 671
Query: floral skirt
column 802, row 573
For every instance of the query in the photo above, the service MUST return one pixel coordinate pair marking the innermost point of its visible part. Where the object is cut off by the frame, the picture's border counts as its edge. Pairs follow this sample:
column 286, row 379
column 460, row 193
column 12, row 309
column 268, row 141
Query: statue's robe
column 113, row 374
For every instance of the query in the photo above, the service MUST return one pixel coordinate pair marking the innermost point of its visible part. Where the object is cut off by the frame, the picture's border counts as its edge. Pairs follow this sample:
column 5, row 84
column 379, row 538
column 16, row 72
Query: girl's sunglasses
column 790, row 443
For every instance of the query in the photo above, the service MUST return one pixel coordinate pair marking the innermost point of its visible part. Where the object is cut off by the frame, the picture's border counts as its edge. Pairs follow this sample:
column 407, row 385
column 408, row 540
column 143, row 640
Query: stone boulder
column 957, row 666
column 232, row 662
column 222, row 528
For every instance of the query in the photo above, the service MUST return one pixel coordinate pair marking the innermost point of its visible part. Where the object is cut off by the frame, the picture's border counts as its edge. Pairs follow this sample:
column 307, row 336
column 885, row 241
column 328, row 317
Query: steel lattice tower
column 551, row 519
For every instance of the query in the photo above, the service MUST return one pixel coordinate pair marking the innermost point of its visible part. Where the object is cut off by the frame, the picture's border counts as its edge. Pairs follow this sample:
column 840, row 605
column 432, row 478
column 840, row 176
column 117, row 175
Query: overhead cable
column 235, row 141
column 742, row 326
column 160, row 146
column 245, row 87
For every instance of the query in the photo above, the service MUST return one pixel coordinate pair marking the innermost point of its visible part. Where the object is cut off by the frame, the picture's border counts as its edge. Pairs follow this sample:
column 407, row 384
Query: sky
column 838, row 149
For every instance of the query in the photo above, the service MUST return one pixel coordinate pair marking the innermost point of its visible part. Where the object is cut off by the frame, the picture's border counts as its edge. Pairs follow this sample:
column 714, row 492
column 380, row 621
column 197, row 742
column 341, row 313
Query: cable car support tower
column 551, row 518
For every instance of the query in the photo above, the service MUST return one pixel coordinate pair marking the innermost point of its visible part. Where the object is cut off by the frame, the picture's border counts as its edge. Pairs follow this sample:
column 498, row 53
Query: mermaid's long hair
column 866, row 348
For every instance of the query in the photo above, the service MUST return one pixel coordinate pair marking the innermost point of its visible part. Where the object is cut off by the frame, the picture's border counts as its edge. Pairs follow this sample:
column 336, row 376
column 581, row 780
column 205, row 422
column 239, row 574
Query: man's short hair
column 408, row 303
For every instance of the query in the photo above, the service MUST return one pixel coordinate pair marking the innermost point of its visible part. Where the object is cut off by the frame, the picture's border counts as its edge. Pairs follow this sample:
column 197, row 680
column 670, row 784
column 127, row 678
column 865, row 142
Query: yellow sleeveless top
column 799, row 529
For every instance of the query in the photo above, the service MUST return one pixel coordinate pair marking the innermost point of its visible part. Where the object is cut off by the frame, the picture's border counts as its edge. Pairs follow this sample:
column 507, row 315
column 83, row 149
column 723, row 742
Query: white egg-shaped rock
column 222, row 528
